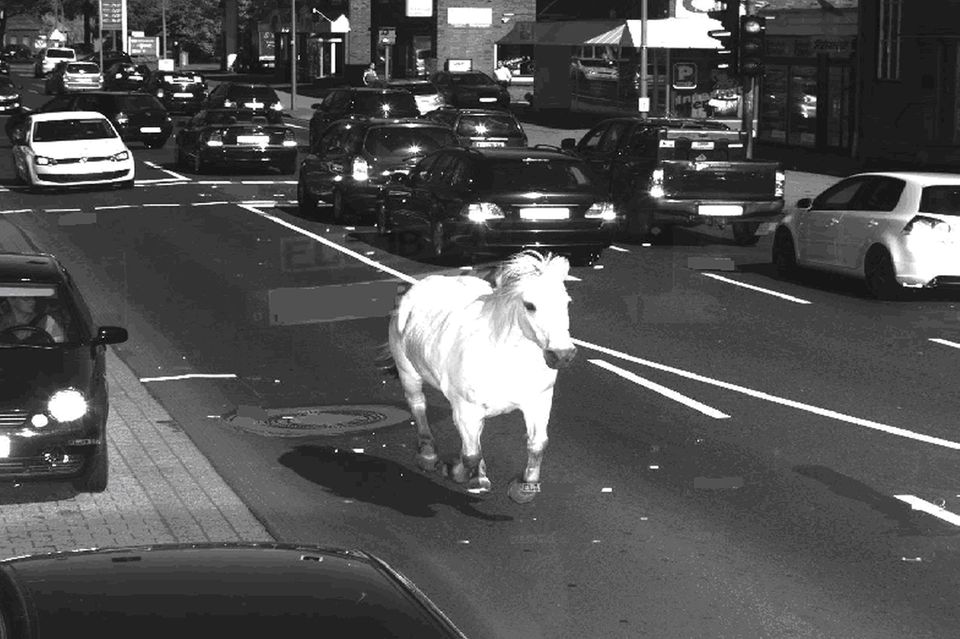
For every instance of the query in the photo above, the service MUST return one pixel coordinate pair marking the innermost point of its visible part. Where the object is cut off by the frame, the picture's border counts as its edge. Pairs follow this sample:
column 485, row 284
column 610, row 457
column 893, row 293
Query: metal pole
column 100, row 29
column 749, row 96
column 163, row 17
column 643, row 53
column 293, row 53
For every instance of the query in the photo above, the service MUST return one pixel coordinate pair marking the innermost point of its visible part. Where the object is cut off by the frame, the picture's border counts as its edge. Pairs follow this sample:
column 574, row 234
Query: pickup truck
column 662, row 173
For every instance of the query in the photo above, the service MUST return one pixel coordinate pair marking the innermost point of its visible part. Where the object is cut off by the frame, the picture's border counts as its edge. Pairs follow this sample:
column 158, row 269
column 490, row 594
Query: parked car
column 48, row 59
column 71, row 148
column 227, row 137
column 352, row 159
column 74, row 76
column 471, row 89
column 895, row 230
column 53, row 395
column 243, row 589
column 498, row 201
column 125, row 76
column 179, row 92
column 17, row 53
column 10, row 96
column 367, row 102
column 426, row 93
column 239, row 95
column 482, row 128
column 663, row 173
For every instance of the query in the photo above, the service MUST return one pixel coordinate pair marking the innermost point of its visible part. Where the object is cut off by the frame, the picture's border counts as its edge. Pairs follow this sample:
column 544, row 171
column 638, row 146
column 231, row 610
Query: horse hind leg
column 412, row 383
column 469, row 468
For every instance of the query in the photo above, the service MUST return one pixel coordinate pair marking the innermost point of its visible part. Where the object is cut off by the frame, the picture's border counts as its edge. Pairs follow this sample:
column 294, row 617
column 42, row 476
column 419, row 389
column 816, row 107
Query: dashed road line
column 931, row 509
column 789, row 298
column 945, row 342
column 171, row 378
column 619, row 249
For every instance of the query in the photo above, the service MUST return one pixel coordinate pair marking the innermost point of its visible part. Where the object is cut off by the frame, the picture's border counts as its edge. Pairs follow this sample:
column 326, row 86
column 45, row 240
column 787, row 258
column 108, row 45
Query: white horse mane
column 504, row 302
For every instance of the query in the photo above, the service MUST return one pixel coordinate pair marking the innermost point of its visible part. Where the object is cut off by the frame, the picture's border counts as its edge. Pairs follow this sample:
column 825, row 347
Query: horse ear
column 559, row 265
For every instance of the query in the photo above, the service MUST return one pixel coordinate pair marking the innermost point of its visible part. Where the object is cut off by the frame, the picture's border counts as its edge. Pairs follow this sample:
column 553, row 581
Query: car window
column 881, row 194
column 489, row 125
column 139, row 101
column 418, row 89
column 436, row 173
column 459, row 174
column 60, row 53
column 386, row 104
column 643, row 144
column 264, row 94
column 82, row 67
column 49, row 307
column 591, row 141
column 471, row 79
column 943, row 199
column 72, row 129
column 841, row 195
column 540, row 174
column 422, row 170
column 611, row 140
column 406, row 142
column 333, row 137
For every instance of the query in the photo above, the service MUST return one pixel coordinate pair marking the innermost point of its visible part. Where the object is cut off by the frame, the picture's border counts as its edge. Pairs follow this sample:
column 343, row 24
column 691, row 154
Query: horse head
column 534, row 285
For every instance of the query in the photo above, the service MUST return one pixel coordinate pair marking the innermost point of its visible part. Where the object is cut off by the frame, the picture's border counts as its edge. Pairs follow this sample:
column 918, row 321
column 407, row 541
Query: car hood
column 31, row 374
column 247, row 590
column 79, row 148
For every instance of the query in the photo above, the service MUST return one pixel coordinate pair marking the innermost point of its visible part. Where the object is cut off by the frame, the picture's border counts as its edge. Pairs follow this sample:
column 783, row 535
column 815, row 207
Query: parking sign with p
column 684, row 75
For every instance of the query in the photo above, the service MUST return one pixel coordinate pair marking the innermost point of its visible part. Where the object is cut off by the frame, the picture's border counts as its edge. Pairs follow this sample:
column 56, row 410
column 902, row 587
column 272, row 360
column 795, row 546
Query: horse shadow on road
column 380, row 481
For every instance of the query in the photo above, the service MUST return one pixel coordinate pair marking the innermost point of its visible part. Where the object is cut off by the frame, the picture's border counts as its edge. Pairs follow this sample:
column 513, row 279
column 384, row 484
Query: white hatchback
column 893, row 229
column 71, row 148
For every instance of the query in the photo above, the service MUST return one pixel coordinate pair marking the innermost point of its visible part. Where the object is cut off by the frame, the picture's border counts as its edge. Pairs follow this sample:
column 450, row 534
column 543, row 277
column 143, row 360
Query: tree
column 195, row 24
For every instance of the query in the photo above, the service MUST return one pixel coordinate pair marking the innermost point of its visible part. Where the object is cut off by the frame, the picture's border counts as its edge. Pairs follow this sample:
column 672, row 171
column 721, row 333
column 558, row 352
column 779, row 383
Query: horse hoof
column 478, row 486
column 427, row 463
column 523, row 492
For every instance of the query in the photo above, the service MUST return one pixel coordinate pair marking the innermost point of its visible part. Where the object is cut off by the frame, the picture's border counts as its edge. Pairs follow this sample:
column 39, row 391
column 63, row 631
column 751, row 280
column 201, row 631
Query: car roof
column 41, row 268
column 66, row 115
column 373, row 90
column 476, row 111
column 380, row 122
column 921, row 178
column 513, row 153
column 668, row 122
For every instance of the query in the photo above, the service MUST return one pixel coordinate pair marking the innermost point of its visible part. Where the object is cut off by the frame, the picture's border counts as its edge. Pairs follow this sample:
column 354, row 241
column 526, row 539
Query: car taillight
column 602, row 210
column 118, row 75
column 228, row 103
column 656, row 183
column 289, row 139
column 481, row 211
column 361, row 170
column 781, row 179
column 923, row 227
column 276, row 106
column 122, row 118
column 159, row 93
column 215, row 139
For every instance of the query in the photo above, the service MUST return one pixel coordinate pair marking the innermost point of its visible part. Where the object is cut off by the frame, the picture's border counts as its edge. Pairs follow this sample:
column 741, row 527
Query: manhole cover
column 313, row 421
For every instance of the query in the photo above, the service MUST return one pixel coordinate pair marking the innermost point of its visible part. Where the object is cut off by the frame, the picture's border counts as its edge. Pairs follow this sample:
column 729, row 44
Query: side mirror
column 110, row 335
column 568, row 144
column 804, row 203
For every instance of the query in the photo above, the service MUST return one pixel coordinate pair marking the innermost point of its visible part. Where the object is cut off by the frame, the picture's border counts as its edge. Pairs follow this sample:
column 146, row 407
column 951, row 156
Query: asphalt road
column 757, row 499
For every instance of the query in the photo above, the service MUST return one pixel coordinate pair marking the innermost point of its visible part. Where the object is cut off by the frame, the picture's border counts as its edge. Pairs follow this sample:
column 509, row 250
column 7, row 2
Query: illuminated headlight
column 361, row 170
column 118, row 76
column 602, row 210
column 168, row 78
column 276, row 106
column 482, row 211
column 656, row 183
column 121, row 156
column 67, row 405
column 122, row 119
column 781, row 179
column 159, row 93
column 41, row 160
column 197, row 79
column 289, row 143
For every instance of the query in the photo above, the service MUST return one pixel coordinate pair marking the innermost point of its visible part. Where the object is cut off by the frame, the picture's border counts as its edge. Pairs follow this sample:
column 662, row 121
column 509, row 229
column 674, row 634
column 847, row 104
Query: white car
column 895, row 230
column 71, row 148
column 48, row 59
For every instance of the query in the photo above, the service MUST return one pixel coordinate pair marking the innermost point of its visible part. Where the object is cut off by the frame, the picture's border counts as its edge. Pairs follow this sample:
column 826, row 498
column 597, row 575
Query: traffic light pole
column 749, row 95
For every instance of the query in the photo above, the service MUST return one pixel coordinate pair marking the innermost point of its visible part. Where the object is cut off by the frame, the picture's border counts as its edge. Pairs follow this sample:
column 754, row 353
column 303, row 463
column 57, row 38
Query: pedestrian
column 504, row 76
column 370, row 75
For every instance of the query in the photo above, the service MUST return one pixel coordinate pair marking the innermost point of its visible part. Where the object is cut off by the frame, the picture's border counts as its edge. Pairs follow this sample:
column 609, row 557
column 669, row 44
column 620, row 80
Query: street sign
column 143, row 47
column 111, row 14
column 684, row 76
column 643, row 105
column 388, row 35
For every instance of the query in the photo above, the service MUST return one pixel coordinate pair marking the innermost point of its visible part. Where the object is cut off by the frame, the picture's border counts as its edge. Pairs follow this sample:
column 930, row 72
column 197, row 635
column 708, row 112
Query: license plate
column 720, row 210
column 4, row 446
column 488, row 144
column 183, row 95
column 149, row 129
column 136, row 76
column 488, row 99
column 701, row 145
column 254, row 105
column 253, row 139
column 544, row 213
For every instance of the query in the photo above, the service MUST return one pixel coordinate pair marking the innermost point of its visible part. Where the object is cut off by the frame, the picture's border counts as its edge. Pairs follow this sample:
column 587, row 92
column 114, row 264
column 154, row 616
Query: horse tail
column 384, row 360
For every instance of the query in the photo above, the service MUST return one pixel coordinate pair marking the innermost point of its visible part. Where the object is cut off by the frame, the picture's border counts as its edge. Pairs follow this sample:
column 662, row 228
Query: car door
column 427, row 195
column 327, row 160
column 872, row 214
column 818, row 228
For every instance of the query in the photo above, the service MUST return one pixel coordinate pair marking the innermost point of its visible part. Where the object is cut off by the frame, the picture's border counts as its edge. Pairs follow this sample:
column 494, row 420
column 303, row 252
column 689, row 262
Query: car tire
column 784, row 254
column 94, row 479
column 306, row 204
column 880, row 275
column 340, row 208
column 155, row 144
column 745, row 233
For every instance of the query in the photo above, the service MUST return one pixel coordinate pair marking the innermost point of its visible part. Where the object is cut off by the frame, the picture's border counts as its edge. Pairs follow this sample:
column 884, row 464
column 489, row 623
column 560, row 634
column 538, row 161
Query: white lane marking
column 60, row 210
column 816, row 410
column 209, row 203
column 614, row 247
column 789, row 298
column 945, row 342
column 152, row 165
column 12, row 211
column 166, row 182
column 663, row 390
column 296, row 126
column 114, row 207
column 162, row 204
column 573, row 278
column 175, row 174
column 931, row 509
column 168, row 378
column 162, row 180
column 268, row 182
column 213, row 182
column 259, row 202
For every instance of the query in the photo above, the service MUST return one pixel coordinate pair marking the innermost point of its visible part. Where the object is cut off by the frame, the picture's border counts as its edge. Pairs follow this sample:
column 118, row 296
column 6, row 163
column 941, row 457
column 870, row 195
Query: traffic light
column 727, row 12
column 752, row 41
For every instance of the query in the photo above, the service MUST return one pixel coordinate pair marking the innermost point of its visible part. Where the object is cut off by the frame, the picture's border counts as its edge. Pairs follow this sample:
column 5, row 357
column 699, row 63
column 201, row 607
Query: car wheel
column 340, row 208
column 198, row 165
column 155, row 144
column 745, row 233
column 880, row 275
column 94, row 478
column 784, row 254
column 305, row 203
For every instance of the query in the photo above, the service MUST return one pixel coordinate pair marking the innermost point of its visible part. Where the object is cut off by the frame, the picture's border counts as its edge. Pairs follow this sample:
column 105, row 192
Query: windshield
column 73, row 129
column 396, row 105
column 943, row 199
column 488, row 125
column 471, row 78
column 132, row 102
column 418, row 88
column 407, row 142
column 540, row 174
column 60, row 53
column 29, row 312
column 263, row 94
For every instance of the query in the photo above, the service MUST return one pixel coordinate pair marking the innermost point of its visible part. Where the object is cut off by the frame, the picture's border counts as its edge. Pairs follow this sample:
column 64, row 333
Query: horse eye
column 530, row 306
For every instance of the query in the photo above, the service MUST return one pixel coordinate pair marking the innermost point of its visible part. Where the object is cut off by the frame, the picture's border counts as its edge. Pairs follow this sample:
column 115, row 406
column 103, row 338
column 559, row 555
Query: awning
column 665, row 33
column 571, row 33
column 674, row 33
column 613, row 36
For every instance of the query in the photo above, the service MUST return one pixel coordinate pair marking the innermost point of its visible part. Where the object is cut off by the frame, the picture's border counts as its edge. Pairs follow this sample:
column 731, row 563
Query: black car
column 424, row 92
column 10, row 96
column 19, row 116
column 179, row 92
column 137, row 116
column 239, row 95
column 353, row 159
column 501, row 201
column 243, row 590
column 4, row 66
column 482, row 128
column 109, row 58
column 367, row 102
column 53, row 390
column 125, row 76
column 228, row 137
column 471, row 89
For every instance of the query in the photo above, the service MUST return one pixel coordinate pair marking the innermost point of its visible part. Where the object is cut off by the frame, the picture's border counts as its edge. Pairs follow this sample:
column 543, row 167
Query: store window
column 888, row 40
column 789, row 105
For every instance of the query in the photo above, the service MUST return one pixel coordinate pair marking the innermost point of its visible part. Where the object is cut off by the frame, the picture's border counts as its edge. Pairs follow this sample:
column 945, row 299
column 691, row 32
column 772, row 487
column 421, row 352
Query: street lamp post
column 293, row 54
column 163, row 18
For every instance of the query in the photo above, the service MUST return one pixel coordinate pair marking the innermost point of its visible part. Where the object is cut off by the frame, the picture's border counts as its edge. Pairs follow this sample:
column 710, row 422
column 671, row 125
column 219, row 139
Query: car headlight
column 602, row 210
column 67, row 405
column 42, row 160
column 229, row 104
column 121, row 156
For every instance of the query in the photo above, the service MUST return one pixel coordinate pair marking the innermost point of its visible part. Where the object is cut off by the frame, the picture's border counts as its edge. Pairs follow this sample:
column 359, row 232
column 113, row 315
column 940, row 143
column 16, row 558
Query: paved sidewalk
column 161, row 489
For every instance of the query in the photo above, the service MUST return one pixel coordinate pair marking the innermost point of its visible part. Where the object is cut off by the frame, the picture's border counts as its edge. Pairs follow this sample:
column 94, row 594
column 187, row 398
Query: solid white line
column 152, row 165
column 259, row 202
column 573, row 278
column 114, row 207
column 209, row 203
column 61, row 210
column 175, row 174
column 162, row 204
column 162, row 180
column 12, row 211
column 168, row 378
column 663, row 390
column 945, row 342
column 789, row 298
column 931, row 509
column 213, row 182
column 614, row 247
column 823, row 412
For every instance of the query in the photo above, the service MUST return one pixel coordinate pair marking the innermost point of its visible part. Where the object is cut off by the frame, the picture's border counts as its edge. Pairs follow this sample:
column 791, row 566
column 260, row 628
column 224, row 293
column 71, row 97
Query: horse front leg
column 470, row 467
column 412, row 383
column 536, row 415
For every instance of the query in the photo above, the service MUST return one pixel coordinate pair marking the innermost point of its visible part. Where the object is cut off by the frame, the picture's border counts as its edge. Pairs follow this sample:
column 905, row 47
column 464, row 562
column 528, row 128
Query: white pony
column 490, row 350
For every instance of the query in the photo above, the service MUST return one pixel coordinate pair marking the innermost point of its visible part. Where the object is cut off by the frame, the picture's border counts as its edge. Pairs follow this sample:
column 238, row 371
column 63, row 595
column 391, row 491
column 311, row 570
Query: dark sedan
column 10, row 96
column 482, row 128
column 236, row 590
column 353, row 159
column 53, row 393
column 471, row 89
column 238, row 95
column 227, row 137
column 125, row 76
column 179, row 92
column 366, row 102
column 137, row 116
column 501, row 201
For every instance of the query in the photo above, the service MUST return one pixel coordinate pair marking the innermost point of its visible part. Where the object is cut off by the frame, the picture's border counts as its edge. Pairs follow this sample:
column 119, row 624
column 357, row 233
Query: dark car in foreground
column 53, row 389
column 241, row 590
column 179, row 92
column 10, row 96
column 496, row 201
column 226, row 137
column 367, row 102
column 482, row 128
column 471, row 89
column 354, row 158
